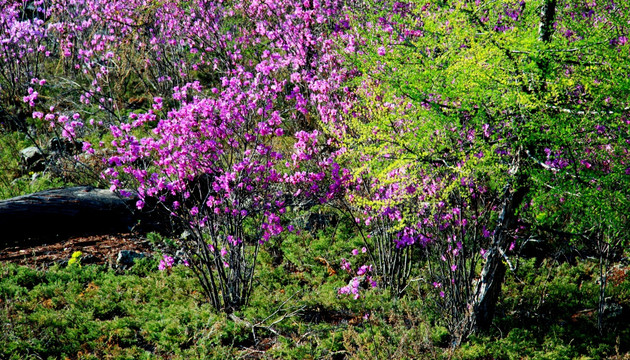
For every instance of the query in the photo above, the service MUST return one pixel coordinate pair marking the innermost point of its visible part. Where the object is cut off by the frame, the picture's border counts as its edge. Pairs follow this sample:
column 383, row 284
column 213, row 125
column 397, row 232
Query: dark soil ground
column 98, row 249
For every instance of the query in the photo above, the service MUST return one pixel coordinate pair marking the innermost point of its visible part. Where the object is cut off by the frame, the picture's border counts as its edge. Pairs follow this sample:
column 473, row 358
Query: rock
column 62, row 213
column 127, row 258
column 32, row 159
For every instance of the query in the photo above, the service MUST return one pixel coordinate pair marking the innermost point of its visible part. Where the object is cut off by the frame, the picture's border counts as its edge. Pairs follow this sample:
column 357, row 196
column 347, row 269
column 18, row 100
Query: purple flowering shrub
column 222, row 137
column 219, row 182
column 218, row 161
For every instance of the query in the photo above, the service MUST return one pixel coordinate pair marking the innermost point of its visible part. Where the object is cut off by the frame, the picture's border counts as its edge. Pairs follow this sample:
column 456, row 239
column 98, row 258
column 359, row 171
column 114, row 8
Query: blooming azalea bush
column 225, row 140
column 217, row 166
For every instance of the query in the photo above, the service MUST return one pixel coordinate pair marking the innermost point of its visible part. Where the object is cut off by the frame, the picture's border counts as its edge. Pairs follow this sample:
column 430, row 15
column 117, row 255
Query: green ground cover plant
column 96, row 312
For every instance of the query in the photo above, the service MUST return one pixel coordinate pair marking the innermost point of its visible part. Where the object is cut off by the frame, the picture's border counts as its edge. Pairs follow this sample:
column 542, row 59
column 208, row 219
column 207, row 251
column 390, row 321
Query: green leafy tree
column 528, row 101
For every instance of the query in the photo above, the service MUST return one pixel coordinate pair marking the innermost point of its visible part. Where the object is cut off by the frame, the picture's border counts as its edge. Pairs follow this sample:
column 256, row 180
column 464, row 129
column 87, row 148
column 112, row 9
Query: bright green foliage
column 75, row 259
column 470, row 68
column 525, row 100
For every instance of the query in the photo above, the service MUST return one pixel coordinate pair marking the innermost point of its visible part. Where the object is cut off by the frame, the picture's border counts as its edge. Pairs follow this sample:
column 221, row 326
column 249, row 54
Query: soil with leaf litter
column 98, row 249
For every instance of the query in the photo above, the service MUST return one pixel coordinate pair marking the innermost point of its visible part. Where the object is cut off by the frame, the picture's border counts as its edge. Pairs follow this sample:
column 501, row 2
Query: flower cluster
column 166, row 263
column 362, row 277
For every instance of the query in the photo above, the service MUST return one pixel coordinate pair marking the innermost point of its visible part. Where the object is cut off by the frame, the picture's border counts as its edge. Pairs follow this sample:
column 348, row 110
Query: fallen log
column 63, row 213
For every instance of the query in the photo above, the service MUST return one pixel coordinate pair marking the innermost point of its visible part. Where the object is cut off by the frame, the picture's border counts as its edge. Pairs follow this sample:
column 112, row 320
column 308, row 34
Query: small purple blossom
column 345, row 265
column 166, row 263
column 362, row 270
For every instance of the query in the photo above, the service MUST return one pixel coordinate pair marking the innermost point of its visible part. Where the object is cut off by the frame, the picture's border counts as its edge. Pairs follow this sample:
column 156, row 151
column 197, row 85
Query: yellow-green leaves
column 75, row 260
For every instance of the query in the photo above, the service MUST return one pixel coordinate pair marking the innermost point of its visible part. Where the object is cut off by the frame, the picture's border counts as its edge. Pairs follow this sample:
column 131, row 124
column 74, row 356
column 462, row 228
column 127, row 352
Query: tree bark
column 489, row 289
column 493, row 272
column 547, row 17
column 61, row 213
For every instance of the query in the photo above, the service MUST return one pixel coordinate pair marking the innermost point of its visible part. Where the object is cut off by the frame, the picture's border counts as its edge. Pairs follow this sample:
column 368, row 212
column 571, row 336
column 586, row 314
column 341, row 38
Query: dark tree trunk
column 493, row 272
column 485, row 302
column 61, row 213
column 547, row 17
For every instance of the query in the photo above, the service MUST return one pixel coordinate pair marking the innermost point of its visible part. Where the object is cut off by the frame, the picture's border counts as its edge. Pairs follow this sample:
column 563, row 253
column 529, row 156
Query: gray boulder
column 127, row 258
column 33, row 159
